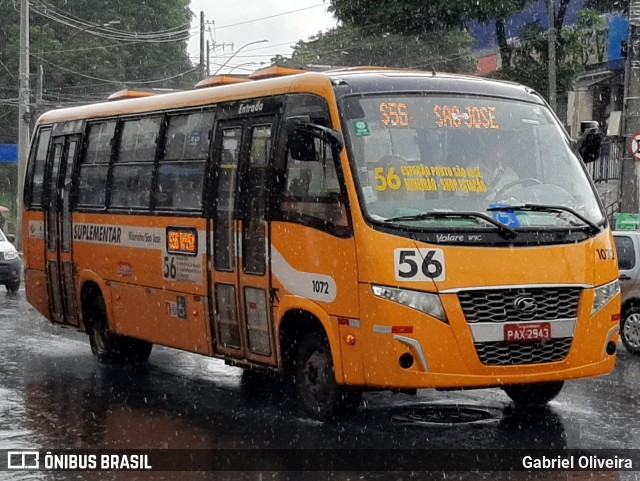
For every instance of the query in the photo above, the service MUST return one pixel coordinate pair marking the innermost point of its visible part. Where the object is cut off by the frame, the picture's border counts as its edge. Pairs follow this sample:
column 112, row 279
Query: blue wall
column 8, row 152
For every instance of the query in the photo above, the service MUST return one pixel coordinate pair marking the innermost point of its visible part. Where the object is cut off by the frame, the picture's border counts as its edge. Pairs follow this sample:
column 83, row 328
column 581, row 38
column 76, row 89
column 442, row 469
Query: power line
column 179, row 33
column 270, row 16
column 128, row 82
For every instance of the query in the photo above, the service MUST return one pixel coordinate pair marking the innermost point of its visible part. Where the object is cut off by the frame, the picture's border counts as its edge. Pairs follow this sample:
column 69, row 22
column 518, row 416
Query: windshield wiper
column 506, row 232
column 547, row 208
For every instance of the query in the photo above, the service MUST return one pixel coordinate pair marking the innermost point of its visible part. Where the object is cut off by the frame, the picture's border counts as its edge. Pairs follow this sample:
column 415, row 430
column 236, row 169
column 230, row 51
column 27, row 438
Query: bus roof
column 340, row 82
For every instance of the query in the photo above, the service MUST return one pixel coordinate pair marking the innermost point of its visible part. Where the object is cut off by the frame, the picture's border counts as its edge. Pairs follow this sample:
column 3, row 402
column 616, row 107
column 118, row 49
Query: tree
column 87, row 62
column 351, row 46
column 606, row 6
column 417, row 17
column 80, row 66
column 530, row 57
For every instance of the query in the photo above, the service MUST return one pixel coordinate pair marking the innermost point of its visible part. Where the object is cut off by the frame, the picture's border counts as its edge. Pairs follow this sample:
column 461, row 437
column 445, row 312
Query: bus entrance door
column 240, row 278
column 58, row 228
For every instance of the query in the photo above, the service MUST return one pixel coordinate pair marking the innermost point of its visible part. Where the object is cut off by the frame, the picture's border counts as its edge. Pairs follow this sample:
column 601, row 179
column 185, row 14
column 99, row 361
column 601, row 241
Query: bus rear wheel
column 320, row 396
column 111, row 348
column 533, row 395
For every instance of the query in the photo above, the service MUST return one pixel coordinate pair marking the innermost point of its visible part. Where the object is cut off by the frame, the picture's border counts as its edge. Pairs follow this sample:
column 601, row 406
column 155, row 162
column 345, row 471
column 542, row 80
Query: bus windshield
column 418, row 156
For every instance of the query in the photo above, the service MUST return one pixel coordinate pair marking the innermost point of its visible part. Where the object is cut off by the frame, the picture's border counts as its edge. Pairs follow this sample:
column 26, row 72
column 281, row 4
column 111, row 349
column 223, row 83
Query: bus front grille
column 506, row 305
column 499, row 353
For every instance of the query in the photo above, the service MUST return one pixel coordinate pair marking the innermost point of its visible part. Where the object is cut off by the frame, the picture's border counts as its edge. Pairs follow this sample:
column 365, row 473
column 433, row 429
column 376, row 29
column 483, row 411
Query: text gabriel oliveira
column 576, row 462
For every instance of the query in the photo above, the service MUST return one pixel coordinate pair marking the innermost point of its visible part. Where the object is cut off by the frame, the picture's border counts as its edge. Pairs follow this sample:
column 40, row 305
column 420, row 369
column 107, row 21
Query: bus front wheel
column 110, row 348
column 321, row 397
column 538, row 394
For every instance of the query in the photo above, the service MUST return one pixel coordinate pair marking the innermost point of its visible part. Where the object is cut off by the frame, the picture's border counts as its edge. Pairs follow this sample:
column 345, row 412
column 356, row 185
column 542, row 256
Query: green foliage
column 8, row 187
column 531, row 59
column 606, row 6
column 347, row 46
column 79, row 67
column 591, row 41
column 415, row 17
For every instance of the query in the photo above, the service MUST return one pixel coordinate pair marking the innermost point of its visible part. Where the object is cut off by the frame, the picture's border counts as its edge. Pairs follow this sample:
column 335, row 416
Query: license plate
column 527, row 332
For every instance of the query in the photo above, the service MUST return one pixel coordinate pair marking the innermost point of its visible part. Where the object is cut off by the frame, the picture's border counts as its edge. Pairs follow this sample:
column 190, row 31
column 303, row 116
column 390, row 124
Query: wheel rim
column 98, row 335
column 316, row 376
column 631, row 330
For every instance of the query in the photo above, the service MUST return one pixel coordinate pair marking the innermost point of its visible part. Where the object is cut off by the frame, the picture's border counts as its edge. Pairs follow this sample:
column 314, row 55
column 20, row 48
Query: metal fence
column 607, row 167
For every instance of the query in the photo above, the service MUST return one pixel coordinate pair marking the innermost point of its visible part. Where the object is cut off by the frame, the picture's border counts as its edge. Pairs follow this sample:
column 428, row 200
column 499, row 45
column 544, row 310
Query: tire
column 630, row 330
column 532, row 395
column 13, row 287
column 110, row 348
column 319, row 395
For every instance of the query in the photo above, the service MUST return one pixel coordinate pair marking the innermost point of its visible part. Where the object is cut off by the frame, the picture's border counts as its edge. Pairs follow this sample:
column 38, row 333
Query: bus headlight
column 11, row 254
column 604, row 294
column 429, row 304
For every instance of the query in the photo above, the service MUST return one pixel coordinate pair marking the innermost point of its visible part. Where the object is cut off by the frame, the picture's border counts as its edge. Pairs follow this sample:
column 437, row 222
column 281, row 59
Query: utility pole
column 23, row 113
column 202, row 71
column 630, row 171
column 552, row 54
column 208, row 59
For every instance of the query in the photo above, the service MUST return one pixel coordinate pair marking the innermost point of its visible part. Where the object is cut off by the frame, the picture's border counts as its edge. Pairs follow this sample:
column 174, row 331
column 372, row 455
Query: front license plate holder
column 527, row 333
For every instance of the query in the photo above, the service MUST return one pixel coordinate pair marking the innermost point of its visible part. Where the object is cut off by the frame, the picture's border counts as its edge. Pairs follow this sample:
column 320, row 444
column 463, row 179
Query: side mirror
column 590, row 140
column 301, row 140
column 302, row 146
column 11, row 238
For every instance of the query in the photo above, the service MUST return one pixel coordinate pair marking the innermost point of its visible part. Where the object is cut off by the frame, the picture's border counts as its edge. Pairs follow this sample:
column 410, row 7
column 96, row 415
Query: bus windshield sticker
column 424, row 178
column 466, row 117
column 361, row 128
column 506, row 217
column 419, row 265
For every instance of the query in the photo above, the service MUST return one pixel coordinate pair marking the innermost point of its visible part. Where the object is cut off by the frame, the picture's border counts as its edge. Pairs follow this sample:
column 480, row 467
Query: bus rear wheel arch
column 108, row 347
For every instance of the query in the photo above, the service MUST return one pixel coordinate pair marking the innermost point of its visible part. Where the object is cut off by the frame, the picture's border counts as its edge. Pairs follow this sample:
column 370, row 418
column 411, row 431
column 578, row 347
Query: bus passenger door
column 240, row 267
column 58, row 228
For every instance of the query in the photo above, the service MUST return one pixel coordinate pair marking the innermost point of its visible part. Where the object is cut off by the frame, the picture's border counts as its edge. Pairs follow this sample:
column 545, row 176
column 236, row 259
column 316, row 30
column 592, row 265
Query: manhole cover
column 445, row 415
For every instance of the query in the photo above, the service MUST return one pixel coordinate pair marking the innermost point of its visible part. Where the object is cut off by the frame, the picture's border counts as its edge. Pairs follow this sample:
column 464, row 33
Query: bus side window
column 181, row 169
column 36, row 169
column 133, row 168
column 312, row 189
column 94, row 165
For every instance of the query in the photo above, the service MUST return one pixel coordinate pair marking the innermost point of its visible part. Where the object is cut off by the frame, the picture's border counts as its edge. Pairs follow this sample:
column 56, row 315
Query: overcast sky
column 238, row 22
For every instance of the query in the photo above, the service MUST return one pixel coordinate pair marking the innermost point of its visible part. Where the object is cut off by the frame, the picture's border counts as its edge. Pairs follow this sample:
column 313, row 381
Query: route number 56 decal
column 419, row 265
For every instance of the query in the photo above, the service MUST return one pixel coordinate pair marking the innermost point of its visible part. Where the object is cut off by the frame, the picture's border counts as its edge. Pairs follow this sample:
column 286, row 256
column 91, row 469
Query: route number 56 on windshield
column 419, row 265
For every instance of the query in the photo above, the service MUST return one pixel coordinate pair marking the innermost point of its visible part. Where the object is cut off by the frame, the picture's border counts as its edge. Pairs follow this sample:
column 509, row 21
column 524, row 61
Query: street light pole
column 630, row 168
column 552, row 54
column 236, row 53
column 243, row 65
column 23, row 114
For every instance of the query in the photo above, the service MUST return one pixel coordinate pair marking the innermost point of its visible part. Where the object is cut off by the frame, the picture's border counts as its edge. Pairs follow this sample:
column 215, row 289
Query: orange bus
column 355, row 230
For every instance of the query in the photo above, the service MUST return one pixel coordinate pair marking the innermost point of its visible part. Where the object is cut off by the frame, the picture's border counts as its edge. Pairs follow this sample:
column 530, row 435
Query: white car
column 628, row 251
column 10, row 265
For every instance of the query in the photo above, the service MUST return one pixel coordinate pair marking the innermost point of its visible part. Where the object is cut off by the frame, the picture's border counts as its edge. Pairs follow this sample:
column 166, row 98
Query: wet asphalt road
column 54, row 395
